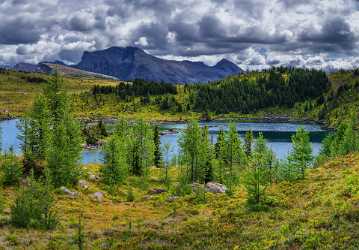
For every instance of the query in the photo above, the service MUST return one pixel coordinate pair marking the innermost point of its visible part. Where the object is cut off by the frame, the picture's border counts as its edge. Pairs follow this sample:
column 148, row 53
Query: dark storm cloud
column 334, row 34
column 18, row 31
column 269, row 32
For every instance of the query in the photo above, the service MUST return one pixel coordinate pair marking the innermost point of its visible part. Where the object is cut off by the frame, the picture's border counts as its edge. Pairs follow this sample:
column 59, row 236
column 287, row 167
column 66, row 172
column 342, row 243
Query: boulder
column 214, row 187
column 83, row 184
column 93, row 177
column 68, row 192
column 98, row 196
column 156, row 191
column 172, row 198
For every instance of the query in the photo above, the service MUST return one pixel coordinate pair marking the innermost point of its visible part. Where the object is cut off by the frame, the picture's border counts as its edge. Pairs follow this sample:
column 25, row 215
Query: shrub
column 2, row 201
column 33, row 207
column 130, row 195
column 12, row 169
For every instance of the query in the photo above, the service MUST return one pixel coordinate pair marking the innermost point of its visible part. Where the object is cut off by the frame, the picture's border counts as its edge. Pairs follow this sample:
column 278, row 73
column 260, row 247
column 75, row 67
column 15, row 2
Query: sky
column 251, row 33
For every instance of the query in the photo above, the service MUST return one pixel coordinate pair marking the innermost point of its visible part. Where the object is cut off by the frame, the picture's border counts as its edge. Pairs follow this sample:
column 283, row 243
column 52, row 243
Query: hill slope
column 133, row 63
column 320, row 212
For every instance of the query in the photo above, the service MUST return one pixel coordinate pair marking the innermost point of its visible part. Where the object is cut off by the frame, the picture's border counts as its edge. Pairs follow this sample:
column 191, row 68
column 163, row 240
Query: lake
column 277, row 135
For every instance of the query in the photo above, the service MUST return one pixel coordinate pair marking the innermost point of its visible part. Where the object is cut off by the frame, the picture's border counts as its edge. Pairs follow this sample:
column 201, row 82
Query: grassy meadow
column 319, row 212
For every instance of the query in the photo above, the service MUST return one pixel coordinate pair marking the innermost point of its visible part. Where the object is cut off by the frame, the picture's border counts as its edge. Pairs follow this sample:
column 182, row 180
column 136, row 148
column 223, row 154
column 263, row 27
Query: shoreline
column 220, row 118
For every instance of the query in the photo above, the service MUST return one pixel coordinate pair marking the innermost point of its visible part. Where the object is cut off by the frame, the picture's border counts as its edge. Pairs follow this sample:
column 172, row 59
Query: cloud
column 334, row 34
column 256, row 33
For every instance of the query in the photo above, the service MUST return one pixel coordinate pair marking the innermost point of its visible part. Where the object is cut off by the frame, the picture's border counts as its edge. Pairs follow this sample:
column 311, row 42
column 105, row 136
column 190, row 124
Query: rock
column 214, row 187
column 98, row 196
column 71, row 194
column 172, row 198
column 93, row 177
column 83, row 184
column 147, row 197
column 156, row 191
column 25, row 182
column 196, row 186
column 7, row 211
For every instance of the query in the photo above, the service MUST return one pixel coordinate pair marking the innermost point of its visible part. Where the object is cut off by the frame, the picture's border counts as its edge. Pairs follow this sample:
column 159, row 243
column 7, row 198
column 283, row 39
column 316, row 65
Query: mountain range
column 129, row 63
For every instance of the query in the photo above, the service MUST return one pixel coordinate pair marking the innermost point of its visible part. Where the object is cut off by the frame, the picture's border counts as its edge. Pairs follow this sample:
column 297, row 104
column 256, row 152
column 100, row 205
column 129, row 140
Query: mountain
column 32, row 68
column 133, row 63
column 74, row 72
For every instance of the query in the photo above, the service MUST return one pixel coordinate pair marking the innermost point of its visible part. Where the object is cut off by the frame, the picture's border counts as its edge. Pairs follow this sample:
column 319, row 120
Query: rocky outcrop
column 98, row 196
column 214, row 187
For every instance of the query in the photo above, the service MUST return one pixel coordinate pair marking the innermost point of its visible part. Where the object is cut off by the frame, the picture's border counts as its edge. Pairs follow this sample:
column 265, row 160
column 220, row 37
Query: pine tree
column 221, row 156
column 35, row 135
column 301, row 156
column 205, row 171
column 257, row 178
column 157, row 153
column 248, row 142
column 11, row 169
column 115, row 168
column 189, row 142
column 141, row 148
column 234, row 151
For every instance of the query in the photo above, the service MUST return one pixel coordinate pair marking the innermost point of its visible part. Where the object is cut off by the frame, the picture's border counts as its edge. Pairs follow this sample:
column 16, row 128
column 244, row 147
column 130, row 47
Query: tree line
column 245, row 93
column 269, row 88
column 136, row 88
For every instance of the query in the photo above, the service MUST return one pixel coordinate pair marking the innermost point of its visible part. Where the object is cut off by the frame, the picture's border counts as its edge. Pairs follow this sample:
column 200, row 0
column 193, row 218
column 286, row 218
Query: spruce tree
column 11, row 169
column 257, row 178
column 235, row 153
column 221, row 156
column 248, row 142
column 301, row 156
column 35, row 133
column 205, row 171
column 50, row 134
column 157, row 142
column 189, row 143
column 141, row 148
column 115, row 167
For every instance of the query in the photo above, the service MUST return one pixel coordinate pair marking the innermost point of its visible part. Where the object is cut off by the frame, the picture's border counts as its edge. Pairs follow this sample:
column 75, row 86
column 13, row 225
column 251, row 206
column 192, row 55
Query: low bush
column 33, row 207
column 11, row 169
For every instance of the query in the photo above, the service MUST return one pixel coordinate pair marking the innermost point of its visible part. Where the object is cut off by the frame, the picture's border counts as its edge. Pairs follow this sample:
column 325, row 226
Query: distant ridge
column 131, row 63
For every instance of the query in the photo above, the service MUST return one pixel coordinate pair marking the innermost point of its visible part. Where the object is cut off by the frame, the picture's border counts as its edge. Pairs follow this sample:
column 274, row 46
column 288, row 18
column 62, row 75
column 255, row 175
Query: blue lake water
column 277, row 135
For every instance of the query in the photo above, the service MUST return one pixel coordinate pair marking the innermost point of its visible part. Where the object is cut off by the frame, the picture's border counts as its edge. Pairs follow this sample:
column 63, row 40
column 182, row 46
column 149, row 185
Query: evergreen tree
column 115, row 167
column 157, row 142
column 51, row 134
column 11, row 169
column 235, row 152
column 257, row 178
column 189, row 142
column 345, row 140
column 301, row 156
column 141, row 148
column 205, row 171
column 35, row 135
column 248, row 142
column 221, row 156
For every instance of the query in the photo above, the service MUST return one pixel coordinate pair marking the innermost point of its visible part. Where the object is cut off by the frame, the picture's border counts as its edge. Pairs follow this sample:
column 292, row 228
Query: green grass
column 320, row 212
column 17, row 92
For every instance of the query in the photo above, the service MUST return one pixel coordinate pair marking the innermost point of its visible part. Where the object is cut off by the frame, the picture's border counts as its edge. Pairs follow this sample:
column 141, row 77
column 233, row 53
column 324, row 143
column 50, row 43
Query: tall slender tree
column 258, row 176
column 248, row 142
column 115, row 169
column 190, row 150
column 301, row 156
column 221, row 156
column 157, row 142
column 36, row 135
